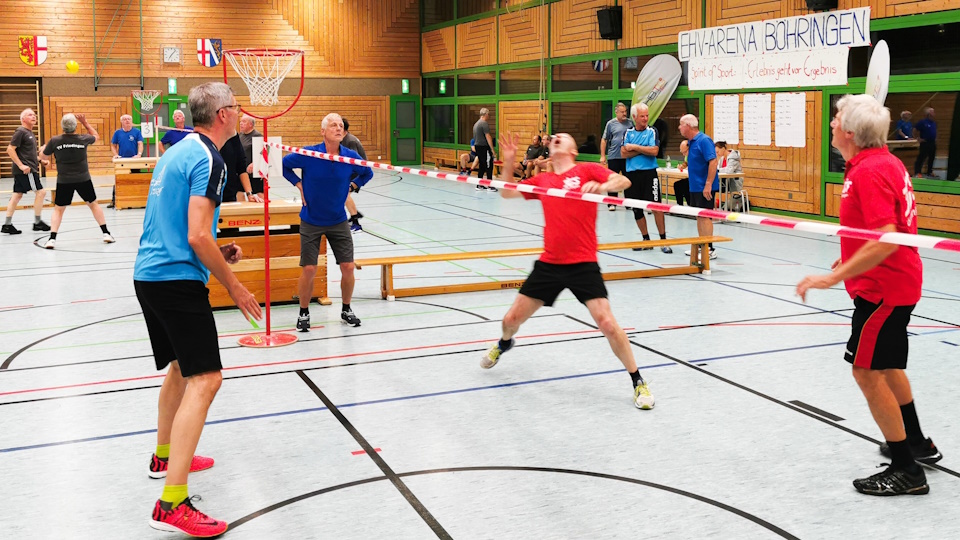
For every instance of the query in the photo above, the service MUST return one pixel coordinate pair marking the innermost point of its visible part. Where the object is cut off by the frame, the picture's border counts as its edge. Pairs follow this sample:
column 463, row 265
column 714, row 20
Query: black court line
column 481, row 317
column 699, row 498
column 815, row 410
column 12, row 357
column 384, row 238
column 378, row 460
column 763, row 396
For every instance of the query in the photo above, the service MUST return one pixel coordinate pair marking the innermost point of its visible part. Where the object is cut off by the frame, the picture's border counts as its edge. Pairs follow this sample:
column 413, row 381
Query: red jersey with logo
column 570, row 229
column 877, row 191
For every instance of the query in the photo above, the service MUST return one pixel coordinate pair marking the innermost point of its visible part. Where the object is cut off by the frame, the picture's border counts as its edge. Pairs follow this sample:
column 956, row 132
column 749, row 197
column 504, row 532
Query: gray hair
column 638, row 108
column 206, row 100
column 24, row 112
column 69, row 123
column 905, row 114
column 178, row 111
column 620, row 104
column 484, row 111
column 248, row 118
column 126, row 116
column 927, row 111
column 690, row 120
column 866, row 118
column 327, row 118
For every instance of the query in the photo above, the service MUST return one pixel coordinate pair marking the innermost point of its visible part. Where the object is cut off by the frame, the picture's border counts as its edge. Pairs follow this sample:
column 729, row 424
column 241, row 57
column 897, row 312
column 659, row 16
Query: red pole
column 266, row 224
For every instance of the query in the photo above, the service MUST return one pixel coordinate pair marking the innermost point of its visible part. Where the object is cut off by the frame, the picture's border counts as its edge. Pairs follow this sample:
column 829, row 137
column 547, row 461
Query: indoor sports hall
column 391, row 428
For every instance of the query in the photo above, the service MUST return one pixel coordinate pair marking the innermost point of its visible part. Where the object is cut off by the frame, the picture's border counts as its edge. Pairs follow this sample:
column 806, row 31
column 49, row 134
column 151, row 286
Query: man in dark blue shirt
column 323, row 189
column 927, row 135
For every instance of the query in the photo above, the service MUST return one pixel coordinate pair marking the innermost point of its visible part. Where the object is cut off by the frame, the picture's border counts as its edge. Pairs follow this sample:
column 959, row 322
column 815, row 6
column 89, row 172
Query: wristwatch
column 249, row 194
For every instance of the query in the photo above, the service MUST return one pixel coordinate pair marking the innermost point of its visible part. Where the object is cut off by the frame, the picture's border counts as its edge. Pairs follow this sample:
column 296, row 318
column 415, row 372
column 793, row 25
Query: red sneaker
column 186, row 519
column 158, row 466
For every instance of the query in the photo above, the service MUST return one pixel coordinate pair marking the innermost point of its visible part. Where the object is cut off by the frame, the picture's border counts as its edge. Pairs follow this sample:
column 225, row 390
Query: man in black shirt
column 238, row 186
column 26, row 172
column 73, row 173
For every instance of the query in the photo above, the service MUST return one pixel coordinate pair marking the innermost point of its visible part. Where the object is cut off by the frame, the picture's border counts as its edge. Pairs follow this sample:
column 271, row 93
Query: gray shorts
column 338, row 236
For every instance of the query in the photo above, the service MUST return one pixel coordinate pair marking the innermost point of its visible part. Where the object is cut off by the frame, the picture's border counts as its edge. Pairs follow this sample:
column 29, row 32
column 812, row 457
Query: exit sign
column 405, row 86
column 171, row 86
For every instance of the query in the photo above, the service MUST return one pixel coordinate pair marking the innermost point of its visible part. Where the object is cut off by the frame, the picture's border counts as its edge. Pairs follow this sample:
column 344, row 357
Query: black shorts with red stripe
column 879, row 338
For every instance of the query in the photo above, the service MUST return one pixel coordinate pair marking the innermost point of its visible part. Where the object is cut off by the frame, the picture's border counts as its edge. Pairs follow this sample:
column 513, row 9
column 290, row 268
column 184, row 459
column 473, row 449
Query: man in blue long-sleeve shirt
column 324, row 188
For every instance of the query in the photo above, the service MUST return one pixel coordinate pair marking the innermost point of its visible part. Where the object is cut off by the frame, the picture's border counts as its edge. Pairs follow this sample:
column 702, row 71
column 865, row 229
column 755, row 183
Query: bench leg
column 386, row 281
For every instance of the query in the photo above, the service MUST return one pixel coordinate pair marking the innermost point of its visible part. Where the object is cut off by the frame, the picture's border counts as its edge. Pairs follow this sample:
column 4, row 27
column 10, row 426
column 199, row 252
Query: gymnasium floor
column 757, row 433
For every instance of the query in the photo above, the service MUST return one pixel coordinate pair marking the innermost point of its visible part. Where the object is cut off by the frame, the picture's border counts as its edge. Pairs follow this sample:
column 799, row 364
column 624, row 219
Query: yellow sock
column 174, row 495
column 163, row 451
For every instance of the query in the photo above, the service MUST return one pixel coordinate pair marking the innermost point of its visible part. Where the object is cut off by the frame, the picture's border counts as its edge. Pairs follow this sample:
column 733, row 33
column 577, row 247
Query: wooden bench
column 441, row 163
column 133, row 177
column 389, row 292
column 284, row 276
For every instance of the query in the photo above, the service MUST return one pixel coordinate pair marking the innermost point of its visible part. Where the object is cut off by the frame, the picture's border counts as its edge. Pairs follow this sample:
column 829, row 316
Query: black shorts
column 180, row 323
column 338, row 236
column 547, row 281
column 879, row 338
column 65, row 193
column 617, row 165
column 697, row 200
column 22, row 183
column 644, row 185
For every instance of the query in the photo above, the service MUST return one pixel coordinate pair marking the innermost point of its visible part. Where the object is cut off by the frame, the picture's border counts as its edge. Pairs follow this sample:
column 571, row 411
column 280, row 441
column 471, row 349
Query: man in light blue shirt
column 640, row 147
column 323, row 190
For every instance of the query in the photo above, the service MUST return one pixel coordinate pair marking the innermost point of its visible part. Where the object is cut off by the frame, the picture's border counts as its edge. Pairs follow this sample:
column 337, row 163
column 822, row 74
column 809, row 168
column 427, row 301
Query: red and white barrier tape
column 902, row 239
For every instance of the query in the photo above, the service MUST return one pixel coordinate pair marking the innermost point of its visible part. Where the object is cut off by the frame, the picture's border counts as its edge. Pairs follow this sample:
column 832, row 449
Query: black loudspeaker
column 611, row 22
column 822, row 5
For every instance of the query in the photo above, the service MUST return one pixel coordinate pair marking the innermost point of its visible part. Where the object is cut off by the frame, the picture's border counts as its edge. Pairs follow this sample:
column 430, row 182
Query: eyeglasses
column 234, row 107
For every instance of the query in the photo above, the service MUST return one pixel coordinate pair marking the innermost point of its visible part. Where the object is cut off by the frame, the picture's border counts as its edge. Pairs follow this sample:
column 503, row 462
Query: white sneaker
column 642, row 397
column 687, row 253
column 108, row 238
column 713, row 253
column 51, row 244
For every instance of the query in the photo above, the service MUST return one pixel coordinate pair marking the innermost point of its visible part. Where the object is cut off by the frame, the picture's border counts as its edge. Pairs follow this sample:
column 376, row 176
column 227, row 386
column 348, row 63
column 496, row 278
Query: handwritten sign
column 756, row 119
column 790, row 125
column 726, row 118
column 793, row 69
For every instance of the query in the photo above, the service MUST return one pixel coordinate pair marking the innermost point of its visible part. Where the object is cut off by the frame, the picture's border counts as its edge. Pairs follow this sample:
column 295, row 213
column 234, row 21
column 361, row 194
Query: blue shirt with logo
column 192, row 168
column 647, row 137
column 126, row 141
column 701, row 151
column 326, row 184
column 927, row 129
column 173, row 137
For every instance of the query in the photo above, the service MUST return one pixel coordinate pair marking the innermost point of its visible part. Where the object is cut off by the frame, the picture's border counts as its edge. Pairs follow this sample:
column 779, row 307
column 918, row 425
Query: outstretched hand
column 508, row 146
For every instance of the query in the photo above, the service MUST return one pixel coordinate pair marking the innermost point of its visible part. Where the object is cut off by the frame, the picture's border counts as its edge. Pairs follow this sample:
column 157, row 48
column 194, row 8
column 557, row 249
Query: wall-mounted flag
column 33, row 49
column 209, row 51
column 600, row 65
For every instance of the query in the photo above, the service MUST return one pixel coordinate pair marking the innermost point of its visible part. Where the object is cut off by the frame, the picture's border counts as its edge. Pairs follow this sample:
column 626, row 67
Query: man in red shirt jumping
column 569, row 259
column 884, row 282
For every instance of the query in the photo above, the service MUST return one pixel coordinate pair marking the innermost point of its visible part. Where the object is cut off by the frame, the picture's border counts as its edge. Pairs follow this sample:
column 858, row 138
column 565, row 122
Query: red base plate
column 264, row 340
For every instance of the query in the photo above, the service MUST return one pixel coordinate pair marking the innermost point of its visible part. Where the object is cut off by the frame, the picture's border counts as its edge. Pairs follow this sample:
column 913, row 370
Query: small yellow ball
column 73, row 66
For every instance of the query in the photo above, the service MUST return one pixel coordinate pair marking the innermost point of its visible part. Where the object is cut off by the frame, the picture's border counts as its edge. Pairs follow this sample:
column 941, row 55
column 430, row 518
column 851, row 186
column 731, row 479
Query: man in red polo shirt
column 884, row 282
column 569, row 259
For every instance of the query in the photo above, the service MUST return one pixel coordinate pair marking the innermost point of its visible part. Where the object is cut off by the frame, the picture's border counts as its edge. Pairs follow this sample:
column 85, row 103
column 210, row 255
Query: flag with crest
column 33, row 49
column 209, row 51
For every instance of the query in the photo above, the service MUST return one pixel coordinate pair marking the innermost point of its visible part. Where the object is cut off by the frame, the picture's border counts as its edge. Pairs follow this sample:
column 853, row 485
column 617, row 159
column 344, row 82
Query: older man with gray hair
column 483, row 142
column 173, row 136
column 26, row 172
column 702, row 172
column 641, row 144
column 884, row 280
column 73, row 173
column 247, row 133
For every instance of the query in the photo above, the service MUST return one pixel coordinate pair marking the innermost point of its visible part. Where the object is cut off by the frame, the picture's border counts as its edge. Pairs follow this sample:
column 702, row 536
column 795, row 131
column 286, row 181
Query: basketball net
column 263, row 70
column 147, row 108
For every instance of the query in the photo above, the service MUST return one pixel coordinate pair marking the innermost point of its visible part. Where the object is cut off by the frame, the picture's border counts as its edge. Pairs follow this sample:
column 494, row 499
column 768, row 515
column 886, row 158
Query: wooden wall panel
column 369, row 118
column 477, row 43
column 103, row 113
column 935, row 211
column 523, row 35
column 430, row 155
column 520, row 118
column 657, row 22
column 574, row 30
column 722, row 12
column 782, row 178
column 360, row 38
column 439, row 50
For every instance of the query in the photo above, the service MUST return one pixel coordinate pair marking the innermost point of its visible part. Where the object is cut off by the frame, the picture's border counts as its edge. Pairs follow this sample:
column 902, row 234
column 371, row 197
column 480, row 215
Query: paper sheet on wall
column 726, row 118
column 756, row 119
column 790, row 126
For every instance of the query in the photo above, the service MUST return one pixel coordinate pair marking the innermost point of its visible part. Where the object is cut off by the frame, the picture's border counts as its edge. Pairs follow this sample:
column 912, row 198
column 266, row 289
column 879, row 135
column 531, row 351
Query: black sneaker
column 41, row 226
column 926, row 452
column 893, row 482
column 349, row 318
column 643, row 249
column 10, row 229
column 303, row 323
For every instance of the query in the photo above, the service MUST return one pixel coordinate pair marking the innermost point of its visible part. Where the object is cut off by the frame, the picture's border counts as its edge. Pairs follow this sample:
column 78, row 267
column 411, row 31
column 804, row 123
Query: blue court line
column 434, row 394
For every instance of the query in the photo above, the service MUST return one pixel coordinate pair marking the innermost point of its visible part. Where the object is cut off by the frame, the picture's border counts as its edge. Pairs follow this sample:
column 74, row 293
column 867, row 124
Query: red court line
column 254, row 331
column 85, row 301
column 300, row 361
column 362, row 452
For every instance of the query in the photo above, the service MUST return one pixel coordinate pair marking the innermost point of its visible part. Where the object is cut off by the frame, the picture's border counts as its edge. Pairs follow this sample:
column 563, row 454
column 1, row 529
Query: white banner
column 816, row 31
column 793, row 69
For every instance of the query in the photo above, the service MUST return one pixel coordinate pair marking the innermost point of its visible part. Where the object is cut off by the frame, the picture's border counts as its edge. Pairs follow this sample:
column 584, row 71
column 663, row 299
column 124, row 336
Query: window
column 439, row 122
column 436, row 11
column 584, row 121
column 938, row 158
column 477, row 84
column 631, row 66
column 442, row 87
column 593, row 75
column 467, row 8
column 520, row 81
column 925, row 49
column 469, row 114
column 668, row 125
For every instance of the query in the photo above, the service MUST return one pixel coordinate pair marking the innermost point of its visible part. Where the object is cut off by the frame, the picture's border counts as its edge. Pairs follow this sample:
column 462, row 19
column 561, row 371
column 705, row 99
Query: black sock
column 53, row 236
column 346, row 307
column 902, row 458
column 104, row 229
column 911, row 423
column 635, row 376
column 663, row 236
column 711, row 246
column 304, row 311
column 36, row 220
column 505, row 345
column 646, row 237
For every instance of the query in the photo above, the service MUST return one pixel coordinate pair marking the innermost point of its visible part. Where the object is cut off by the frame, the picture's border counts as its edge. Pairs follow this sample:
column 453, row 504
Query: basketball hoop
column 148, row 111
column 146, row 99
column 263, row 70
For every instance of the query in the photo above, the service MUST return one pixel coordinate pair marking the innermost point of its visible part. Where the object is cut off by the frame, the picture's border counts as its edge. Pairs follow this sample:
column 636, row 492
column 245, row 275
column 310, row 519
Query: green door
column 405, row 134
